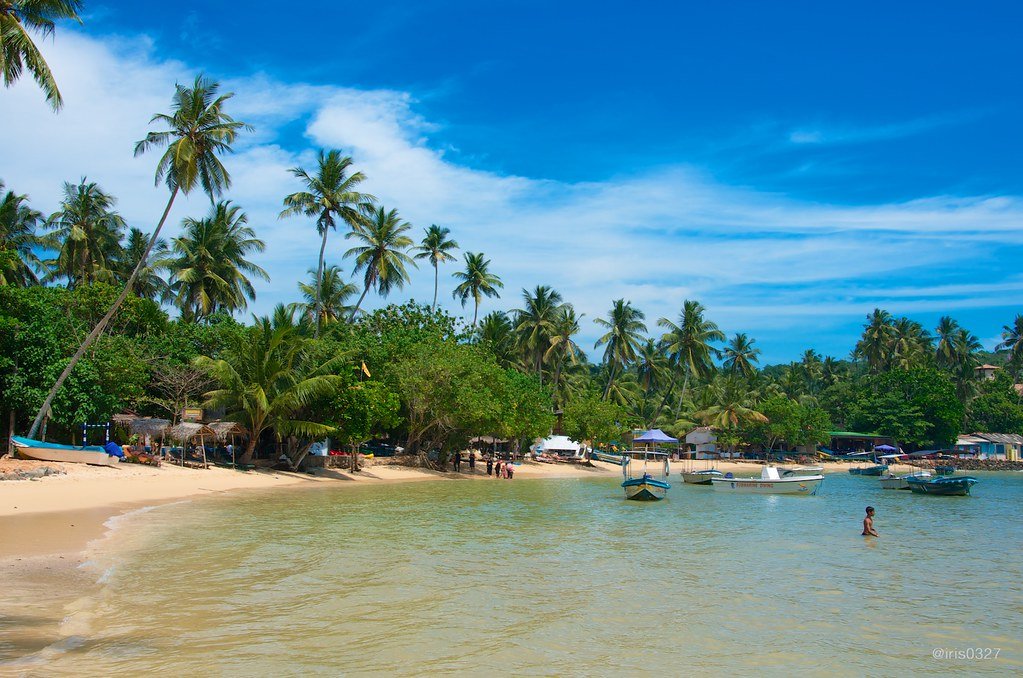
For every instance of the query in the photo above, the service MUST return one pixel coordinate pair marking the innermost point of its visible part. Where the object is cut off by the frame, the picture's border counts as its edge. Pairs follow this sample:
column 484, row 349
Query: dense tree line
column 84, row 332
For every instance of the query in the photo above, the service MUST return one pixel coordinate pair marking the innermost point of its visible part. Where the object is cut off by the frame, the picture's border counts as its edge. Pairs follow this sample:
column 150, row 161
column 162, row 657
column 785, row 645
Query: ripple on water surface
column 561, row 577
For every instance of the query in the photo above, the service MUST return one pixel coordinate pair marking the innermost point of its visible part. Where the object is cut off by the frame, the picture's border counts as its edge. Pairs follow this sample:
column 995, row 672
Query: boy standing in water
column 868, row 524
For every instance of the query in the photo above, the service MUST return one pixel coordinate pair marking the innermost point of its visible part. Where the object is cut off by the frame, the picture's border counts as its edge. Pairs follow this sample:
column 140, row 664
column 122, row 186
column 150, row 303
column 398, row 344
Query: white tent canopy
column 557, row 445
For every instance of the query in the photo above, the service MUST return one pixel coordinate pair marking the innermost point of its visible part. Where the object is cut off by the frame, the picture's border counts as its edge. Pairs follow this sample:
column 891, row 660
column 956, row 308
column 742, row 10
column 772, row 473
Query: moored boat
column 701, row 477
column 893, row 482
column 42, row 451
column 876, row 470
column 801, row 470
column 958, row 486
column 639, row 484
column 770, row 482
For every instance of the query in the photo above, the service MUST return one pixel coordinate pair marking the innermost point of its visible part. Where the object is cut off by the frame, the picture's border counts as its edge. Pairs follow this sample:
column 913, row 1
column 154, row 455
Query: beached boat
column 701, row 477
column 770, row 482
column 639, row 483
column 945, row 485
column 40, row 451
column 876, row 470
column 893, row 482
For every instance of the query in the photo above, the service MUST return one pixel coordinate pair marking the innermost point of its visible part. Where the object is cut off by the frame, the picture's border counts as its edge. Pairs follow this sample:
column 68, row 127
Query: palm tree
column 813, row 370
column 18, row 52
column 496, row 332
column 208, row 269
column 149, row 284
column 624, row 325
column 688, row 345
column 87, row 231
column 911, row 343
column 330, row 195
column 436, row 246
column 18, row 240
column 875, row 344
column 266, row 379
column 199, row 130
column 733, row 405
column 534, row 324
column 382, row 254
column 562, row 347
column 330, row 298
column 1012, row 340
column 740, row 356
column 477, row 282
column 945, row 354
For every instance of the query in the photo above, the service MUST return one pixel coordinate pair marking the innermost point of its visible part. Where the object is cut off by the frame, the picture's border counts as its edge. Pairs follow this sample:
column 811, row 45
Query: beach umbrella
column 885, row 448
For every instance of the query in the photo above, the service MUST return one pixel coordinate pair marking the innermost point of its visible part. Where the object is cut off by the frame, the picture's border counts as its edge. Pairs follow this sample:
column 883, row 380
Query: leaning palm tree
column 199, row 129
column 149, row 284
column 18, row 52
column 87, row 232
column 328, row 303
column 534, row 324
column 1012, row 340
column 741, row 355
column 688, row 345
column 624, row 325
column 209, row 271
column 266, row 379
column 382, row 254
column 18, row 240
column 436, row 246
column 477, row 282
column 330, row 195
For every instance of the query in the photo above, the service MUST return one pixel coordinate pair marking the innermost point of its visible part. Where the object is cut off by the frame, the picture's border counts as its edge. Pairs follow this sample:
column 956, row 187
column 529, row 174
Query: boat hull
column 648, row 489
column 33, row 449
column 894, row 483
column 796, row 485
column 700, row 477
column 943, row 486
column 868, row 471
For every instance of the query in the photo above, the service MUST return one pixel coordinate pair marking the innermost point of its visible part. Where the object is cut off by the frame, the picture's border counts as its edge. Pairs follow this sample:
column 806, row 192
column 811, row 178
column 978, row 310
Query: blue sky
column 790, row 166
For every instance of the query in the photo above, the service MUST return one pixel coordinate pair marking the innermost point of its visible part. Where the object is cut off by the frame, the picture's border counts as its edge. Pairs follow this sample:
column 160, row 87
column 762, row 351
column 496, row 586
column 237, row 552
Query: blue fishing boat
column 640, row 484
column 877, row 470
column 89, row 454
column 958, row 486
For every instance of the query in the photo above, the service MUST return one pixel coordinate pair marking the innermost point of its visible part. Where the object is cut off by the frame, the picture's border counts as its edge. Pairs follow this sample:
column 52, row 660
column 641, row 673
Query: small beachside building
column 849, row 442
column 702, row 442
column 1004, row 446
column 559, row 446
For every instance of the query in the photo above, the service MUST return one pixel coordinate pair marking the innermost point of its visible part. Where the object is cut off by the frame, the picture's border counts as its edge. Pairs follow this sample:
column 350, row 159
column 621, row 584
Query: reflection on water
column 560, row 577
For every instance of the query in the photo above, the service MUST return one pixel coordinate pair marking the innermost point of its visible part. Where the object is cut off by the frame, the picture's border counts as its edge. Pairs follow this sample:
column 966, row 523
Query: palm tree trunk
column 610, row 381
column 96, row 331
column 356, row 309
column 681, row 398
column 319, row 286
column 475, row 313
column 250, row 451
column 436, row 273
column 667, row 394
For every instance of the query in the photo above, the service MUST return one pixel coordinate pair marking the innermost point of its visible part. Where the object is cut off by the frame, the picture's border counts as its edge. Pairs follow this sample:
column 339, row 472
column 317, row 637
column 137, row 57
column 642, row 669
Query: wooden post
column 202, row 444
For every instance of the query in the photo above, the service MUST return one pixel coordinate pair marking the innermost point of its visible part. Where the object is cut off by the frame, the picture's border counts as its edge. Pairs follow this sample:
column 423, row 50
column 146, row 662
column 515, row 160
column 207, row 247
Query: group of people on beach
column 495, row 467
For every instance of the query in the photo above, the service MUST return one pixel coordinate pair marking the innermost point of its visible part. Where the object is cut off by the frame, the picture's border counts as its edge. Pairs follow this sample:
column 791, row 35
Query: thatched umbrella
column 223, row 429
column 143, row 426
column 188, row 430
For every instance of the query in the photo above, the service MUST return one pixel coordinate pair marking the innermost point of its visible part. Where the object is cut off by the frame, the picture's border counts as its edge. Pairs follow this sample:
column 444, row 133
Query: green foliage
column 589, row 417
column 917, row 407
column 997, row 408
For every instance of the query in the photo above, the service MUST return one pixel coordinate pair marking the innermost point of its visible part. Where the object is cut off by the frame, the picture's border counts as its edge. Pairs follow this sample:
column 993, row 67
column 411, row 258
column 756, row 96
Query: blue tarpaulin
column 655, row 435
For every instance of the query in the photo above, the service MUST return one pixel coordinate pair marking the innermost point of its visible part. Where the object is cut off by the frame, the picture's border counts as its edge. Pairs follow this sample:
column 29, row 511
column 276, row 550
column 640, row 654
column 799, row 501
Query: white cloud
column 761, row 262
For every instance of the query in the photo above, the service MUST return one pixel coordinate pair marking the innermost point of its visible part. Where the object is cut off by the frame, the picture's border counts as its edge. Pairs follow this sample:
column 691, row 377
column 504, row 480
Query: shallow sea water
column 553, row 577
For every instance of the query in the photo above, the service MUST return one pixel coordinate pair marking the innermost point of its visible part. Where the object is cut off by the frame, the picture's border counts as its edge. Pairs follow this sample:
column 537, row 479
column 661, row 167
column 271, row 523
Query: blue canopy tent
column 655, row 435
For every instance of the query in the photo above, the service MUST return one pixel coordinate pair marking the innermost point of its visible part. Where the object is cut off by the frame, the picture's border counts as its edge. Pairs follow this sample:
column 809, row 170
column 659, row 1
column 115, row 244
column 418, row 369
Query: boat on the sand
column 43, row 451
column 770, row 482
column 957, row 486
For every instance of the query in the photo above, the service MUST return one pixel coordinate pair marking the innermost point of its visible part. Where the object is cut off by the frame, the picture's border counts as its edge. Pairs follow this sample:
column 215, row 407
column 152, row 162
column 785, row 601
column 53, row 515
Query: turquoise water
column 556, row 577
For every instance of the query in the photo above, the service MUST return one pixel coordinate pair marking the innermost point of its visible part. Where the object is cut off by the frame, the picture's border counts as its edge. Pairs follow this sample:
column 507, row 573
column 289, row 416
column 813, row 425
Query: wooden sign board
column 191, row 414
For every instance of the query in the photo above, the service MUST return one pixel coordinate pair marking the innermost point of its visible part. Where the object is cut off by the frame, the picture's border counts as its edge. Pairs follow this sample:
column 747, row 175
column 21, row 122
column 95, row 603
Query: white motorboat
column 701, row 477
column 770, row 482
column 893, row 482
column 800, row 470
column 42, row 451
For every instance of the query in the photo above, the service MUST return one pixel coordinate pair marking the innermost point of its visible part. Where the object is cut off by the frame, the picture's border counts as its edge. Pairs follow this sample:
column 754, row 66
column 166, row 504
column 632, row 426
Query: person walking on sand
column 456, row 461
column 510, row 470
column 472, row 461
column 490, row 465
column 497, row 469
column 868, row 524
